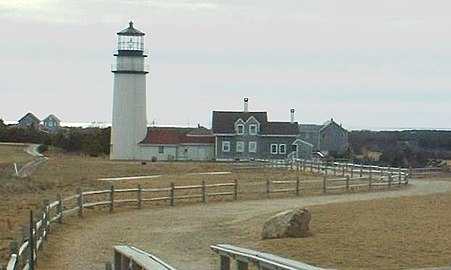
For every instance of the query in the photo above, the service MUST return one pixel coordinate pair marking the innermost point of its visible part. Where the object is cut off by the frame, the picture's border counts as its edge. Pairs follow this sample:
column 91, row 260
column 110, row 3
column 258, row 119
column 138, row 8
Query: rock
column 290, row 223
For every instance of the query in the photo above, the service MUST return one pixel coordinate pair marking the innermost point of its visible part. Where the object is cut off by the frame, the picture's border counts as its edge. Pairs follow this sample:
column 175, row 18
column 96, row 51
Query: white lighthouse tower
column 129, row 125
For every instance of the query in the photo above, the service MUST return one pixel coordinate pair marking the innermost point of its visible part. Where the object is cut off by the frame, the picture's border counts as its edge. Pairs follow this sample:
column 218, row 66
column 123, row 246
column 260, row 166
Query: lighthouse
column 129, row 123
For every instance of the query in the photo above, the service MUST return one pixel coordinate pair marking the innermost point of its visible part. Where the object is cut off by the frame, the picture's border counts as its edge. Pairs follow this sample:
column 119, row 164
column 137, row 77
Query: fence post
column 324, row 184
column 335, row 169
column 172, row 194
column 303, row 165
column 399, row 176
column 13, row 250
column 311, row 166
column 268, row 188
column 111, row 198
column 347, row 183
column 297, row 186
column 343, row 170
column 80, row 202
column 370, row 182
column 139, row 196
column 235, row 190
column 325, row 168
column 25, row 237
column 108, row 266
column 31, row 242
column 59, row 208
column 204, row 192
column 361, row 170
column 225, row 263
column 389, row 181
column 352, row 171
column 319, row 166
column 46, row 220
column 240, row 265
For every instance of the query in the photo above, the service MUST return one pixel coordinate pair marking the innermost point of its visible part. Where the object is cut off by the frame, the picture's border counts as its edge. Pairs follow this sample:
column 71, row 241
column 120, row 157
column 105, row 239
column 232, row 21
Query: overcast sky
column 369, row 64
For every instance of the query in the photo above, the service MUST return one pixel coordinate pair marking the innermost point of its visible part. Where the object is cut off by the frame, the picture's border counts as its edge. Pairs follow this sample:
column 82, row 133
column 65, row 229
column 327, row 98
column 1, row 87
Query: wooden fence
column 24, row 256
column 244, row 257
column 128, row 257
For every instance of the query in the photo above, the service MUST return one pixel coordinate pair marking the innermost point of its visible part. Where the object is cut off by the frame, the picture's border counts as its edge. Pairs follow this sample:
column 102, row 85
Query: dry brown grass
column 410, row 232
column 383, row 234
column 63, row 173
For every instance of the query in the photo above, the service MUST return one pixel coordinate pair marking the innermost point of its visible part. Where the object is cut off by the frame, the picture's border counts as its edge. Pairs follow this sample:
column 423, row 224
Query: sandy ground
column 182, row 235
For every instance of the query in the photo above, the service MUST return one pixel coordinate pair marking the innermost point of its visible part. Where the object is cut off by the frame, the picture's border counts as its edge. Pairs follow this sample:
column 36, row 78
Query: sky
column 368, row 64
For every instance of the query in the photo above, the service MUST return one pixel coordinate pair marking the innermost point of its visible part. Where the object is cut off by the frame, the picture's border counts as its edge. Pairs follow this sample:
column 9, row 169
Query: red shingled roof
column 175, row 135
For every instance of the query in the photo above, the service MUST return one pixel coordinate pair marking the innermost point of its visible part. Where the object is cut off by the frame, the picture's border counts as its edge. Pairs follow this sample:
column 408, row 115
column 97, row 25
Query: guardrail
column 128, row 257
column 244, row 257
column 34, row 235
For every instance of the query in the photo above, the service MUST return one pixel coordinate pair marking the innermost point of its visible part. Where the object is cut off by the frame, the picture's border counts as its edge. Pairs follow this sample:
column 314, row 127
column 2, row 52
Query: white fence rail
column 128, row 257
column 243, row 257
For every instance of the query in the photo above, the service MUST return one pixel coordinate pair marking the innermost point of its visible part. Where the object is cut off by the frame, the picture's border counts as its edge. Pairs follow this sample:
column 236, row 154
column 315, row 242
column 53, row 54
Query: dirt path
column 29, row 168
column 182, row 235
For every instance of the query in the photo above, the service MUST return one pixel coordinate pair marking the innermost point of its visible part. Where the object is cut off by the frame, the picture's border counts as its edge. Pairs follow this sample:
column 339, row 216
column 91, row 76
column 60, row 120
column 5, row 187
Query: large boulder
column 290, row 223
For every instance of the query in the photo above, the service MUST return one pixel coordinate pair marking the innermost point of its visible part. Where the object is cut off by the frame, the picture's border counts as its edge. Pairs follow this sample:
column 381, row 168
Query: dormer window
column 253, row 129
column 240, row 129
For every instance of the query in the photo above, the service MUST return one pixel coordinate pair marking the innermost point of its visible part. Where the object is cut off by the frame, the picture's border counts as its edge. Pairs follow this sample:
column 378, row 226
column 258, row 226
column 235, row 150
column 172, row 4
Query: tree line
column 409, row 148
column 91, row 141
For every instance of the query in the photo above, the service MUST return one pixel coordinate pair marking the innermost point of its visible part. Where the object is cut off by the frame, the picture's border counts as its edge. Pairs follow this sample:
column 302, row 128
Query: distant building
column 51, row 123
column 329, row 137
column 245, row 135
column 29, row 121
column 176, row 143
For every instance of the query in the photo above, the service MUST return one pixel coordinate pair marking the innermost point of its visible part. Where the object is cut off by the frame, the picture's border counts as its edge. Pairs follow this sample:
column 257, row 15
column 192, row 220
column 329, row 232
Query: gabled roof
column 30, row 116
column 224, row 121
column 331, row 122
column 177, row 135
column 310, row 128
column 51, row 116
column 281, row 128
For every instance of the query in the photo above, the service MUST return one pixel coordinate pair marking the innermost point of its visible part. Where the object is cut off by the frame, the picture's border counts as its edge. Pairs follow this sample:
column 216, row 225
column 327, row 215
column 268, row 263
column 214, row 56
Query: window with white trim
column 240, row 129
column 282, row 148
column 252, row 147
column 160, row 149
column 225, row 146
column 253, row 129
column 240, row 146
column 274, row 148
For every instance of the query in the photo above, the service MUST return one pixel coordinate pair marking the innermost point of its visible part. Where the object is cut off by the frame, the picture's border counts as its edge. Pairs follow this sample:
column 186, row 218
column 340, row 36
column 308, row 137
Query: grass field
column 379, row 234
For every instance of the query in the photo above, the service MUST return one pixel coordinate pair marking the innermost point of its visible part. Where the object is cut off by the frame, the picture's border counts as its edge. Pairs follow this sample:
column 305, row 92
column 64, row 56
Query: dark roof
column 224, row 122
column 177, row 135
column 281, row 128
column 52, row 116
column 130, row 31
column 29, row 116
column 310, row 128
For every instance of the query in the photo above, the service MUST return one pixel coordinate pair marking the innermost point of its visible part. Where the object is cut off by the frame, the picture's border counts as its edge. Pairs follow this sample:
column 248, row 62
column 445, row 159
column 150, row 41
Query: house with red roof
column 178, row 143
